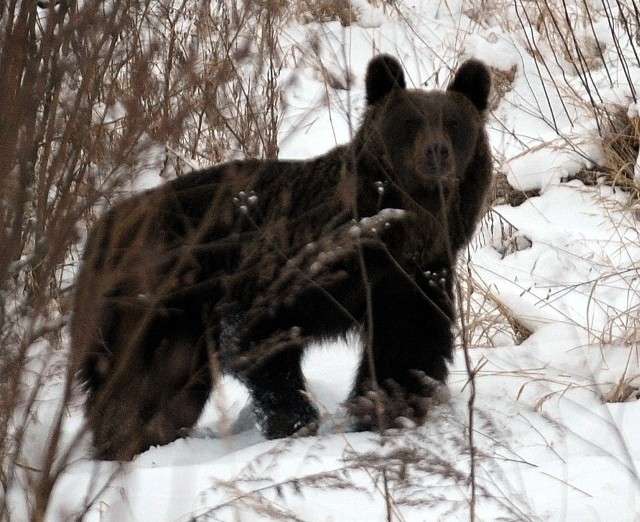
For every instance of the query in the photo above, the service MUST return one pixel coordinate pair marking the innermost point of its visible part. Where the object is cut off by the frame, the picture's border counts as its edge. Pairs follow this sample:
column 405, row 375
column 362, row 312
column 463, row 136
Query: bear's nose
column 437, row 155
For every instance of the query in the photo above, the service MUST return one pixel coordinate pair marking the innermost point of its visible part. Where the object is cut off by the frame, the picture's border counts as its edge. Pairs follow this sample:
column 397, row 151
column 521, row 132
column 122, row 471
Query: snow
column 548, row 445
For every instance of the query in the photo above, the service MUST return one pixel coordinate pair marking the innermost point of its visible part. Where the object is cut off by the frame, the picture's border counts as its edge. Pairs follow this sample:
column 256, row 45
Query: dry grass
column 322, row 11
column 92, row 100
column 621, row 145
column 488, row 321
column 579, row 42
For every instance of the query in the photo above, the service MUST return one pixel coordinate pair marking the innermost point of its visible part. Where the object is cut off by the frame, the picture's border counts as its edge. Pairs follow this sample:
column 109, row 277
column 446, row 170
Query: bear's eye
column 409, row 127
column 453, row 126
column 451, row 123
column 412, row 122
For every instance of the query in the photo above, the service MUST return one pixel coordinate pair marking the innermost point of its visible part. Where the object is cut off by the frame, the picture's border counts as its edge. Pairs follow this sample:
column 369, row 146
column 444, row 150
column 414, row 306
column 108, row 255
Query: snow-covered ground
column 548, row 445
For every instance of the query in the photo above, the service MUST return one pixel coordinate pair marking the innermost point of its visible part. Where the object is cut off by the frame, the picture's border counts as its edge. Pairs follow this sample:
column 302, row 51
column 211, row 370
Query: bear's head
column 421, row 141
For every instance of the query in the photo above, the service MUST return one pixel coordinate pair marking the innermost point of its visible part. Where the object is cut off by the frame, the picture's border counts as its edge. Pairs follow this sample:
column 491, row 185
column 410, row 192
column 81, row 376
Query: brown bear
column 237, row 267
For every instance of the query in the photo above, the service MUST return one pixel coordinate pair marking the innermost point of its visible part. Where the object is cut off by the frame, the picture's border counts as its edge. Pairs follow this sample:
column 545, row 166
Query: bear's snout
column 437, row 156
column 435, row 160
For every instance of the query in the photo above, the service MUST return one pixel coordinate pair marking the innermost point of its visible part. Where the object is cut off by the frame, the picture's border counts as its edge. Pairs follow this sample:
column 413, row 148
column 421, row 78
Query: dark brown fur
column 235, row 268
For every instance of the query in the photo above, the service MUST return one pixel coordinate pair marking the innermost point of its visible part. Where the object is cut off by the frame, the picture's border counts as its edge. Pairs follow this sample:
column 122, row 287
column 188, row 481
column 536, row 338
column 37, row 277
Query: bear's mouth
column 432, row 190
column 436, row 179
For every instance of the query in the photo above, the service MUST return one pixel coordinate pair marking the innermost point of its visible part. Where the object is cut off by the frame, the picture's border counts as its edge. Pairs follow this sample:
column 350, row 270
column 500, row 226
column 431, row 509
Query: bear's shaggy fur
column 236, row 267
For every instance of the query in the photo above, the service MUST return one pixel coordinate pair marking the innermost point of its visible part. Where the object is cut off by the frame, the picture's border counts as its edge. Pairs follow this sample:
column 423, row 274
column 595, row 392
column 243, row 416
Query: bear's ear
column 473, row 79
column 384, row 74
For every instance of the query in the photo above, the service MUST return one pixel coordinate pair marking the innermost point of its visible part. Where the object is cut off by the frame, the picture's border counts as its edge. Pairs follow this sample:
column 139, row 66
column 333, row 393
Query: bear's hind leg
column 154, row 398
column 182, row 383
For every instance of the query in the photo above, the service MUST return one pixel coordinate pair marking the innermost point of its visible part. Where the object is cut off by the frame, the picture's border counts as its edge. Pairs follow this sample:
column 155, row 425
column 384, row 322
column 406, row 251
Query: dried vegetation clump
column 322, row 11
column 95, row 102
column 621, row 146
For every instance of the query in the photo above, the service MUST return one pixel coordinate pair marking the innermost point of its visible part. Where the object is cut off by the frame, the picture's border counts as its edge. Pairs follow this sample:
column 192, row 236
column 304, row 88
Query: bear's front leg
column 406, row 350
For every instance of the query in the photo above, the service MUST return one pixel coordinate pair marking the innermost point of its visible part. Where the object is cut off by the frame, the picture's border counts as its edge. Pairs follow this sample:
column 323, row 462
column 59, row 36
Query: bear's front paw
column 392, row 406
